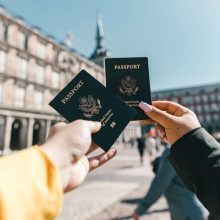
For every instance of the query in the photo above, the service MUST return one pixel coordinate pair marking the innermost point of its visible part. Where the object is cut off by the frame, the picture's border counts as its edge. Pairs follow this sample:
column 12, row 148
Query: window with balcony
column 187, row 100
column 206, row 108
column 40, row 74
column 218, row 96
column 208, row 118
column 213, row 97
column 205, row 98
column 38, row 101
column 55, row 79
column 21, row 68
column 22, row 41
column 2, row 30
column 2, row 61
column 197, row 99
column 19, row 97
column 214, row 107
column 41, row 50
column 198, row 109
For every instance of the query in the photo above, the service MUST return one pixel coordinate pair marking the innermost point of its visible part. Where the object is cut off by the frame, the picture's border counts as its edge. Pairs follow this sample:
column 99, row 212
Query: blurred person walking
column 183, row 204
column 150, row 143
column 141, row 149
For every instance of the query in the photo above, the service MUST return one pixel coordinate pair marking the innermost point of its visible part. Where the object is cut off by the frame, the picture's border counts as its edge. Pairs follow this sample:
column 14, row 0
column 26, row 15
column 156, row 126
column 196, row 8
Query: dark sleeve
column 196, row 158
column 158, row 186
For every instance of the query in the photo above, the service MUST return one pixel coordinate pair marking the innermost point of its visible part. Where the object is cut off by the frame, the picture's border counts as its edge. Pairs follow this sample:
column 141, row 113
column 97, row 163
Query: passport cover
column 86, row 98
column 128, row 78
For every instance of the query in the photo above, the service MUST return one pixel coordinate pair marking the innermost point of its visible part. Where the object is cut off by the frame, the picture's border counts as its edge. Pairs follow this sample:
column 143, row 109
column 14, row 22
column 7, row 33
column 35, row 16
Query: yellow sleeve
column 30, row 186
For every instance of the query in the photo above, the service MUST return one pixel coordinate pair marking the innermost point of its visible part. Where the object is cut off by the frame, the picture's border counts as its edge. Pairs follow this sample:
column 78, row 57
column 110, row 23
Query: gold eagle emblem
column 89, row 106
column 128, row 86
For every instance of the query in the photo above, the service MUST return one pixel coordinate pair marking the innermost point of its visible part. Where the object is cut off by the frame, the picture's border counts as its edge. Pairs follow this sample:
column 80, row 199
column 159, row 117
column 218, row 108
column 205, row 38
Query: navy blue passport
column 128, row 78
column 86, row 98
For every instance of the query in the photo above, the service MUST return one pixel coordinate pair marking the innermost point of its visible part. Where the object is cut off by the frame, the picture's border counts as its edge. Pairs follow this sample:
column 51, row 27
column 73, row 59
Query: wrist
column 61, row 165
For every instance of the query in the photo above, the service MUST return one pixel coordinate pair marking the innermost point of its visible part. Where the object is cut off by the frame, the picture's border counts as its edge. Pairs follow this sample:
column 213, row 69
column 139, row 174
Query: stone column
column 48, row 125
column 9, row 121
column 30, row 132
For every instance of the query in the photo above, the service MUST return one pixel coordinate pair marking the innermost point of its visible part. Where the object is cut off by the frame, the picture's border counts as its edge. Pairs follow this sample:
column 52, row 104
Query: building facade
column 203, row 100
column 33, row 69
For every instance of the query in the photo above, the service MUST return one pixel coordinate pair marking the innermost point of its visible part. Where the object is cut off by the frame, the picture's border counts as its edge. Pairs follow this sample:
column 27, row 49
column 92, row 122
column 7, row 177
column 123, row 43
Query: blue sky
column 181, row 38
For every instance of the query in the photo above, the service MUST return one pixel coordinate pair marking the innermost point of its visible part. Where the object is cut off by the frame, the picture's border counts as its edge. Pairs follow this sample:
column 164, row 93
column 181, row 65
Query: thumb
column 159, row 116
column 94, row 126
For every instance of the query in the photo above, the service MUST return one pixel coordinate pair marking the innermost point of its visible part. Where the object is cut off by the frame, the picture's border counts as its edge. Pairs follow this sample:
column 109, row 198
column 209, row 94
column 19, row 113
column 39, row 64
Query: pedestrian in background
column 183, row 204
column 141, row 148
column 150, row 143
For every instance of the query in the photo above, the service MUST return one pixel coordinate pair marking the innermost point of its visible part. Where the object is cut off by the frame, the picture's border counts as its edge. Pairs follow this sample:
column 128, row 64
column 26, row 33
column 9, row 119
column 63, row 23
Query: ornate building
column 33, row 69
column 203, row 100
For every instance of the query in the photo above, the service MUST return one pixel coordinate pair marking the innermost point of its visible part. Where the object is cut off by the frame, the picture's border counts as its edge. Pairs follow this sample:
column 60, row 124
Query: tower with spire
column 100, row 52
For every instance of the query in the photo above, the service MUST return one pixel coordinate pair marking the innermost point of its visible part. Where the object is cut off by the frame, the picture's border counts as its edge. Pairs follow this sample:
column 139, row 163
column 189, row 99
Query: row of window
column 17, row 96
column 207, row 118
column 204, row 98
column 213, row 107
column 22, row 70
column 197, row 99
column 20, row 39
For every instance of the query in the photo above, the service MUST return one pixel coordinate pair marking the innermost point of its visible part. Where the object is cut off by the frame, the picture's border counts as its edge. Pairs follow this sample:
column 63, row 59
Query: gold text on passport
column 72, row 92
column 127, row 66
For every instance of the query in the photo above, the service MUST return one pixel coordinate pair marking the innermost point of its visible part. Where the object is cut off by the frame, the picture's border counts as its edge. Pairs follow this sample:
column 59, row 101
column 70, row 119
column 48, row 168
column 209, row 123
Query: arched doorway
column 15, row 143
column 36, row 132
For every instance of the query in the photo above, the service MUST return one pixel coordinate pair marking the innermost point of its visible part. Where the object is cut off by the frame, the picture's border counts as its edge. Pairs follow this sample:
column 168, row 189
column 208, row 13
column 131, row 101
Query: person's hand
column 67, row 145
column 135, row 216
column 172, row 120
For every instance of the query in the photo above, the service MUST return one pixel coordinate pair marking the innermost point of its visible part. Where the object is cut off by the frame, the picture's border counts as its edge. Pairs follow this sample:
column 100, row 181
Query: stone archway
column 16, row 143
column 39, row 132
column 36, row 132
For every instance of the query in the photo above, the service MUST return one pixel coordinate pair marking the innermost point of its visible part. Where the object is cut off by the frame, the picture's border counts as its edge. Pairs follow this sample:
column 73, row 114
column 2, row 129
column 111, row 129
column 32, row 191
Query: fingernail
column 145, row 107
column 98, row 124
column 112, row 151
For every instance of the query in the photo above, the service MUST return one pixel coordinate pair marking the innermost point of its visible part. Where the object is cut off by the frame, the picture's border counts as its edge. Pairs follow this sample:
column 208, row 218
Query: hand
column 172, row 120
column 67, row 145
column 135, row 216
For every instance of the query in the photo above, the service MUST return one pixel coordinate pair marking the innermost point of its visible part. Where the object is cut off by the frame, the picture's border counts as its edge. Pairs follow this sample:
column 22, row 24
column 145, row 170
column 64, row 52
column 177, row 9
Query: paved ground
column 111, row 192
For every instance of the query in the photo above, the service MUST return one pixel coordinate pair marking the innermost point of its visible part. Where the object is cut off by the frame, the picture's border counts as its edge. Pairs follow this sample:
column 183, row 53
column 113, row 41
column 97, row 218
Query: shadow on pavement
column 126, row 167
column 122, row 218
column 157, row 211
column 130, row 201
column 148, row 213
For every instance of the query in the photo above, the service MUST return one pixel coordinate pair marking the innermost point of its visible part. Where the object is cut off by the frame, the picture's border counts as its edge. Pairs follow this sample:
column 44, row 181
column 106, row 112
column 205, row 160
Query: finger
column 94, row 126
column 170, row 107
column 159, row 116
column 92, row 148
column 97, row 161
column 161, row 133
column 160, row 130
